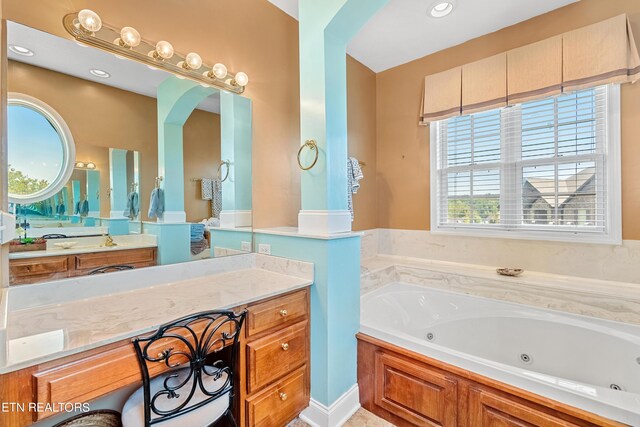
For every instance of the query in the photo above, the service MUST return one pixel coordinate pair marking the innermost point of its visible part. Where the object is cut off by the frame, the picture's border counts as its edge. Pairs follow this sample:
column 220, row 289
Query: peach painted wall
column 361, row 115
column 403, row 146
column 201, row 159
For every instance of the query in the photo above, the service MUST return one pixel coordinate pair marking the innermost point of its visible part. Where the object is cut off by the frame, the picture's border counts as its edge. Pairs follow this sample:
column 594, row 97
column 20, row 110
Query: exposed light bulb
column 130, row 37
column 220, row 71
column 91, row 165
column 164, row 50
column 79, row 164
column 193, row 61
column 241, row 79
column 89, row 20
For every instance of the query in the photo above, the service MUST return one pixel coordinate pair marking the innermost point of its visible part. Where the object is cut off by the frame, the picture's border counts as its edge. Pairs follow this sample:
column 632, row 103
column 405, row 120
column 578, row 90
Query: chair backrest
column 182, row 346
column 110, row 268
column 54, row 236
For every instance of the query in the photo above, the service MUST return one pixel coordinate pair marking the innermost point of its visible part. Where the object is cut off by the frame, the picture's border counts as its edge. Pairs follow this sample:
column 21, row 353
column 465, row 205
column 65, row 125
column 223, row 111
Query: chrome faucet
column 108, row 242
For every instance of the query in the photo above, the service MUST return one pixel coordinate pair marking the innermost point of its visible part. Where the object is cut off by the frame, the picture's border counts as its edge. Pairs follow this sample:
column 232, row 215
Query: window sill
column 545, row 236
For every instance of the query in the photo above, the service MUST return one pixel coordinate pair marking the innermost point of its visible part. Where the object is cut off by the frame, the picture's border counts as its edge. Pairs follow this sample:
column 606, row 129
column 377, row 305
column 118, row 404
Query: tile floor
column 362, row 418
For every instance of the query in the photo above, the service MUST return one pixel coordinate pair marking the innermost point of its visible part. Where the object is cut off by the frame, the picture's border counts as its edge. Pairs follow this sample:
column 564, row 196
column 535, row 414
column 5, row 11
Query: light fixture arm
column 104, row 37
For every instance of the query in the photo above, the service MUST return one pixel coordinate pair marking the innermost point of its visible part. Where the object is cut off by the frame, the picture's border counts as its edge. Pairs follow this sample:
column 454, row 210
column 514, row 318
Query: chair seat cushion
column 133, row 411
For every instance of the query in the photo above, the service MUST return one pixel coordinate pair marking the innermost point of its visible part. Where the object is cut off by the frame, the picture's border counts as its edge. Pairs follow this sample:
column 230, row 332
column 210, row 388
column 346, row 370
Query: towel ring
column 226, row 163
column 312, row 146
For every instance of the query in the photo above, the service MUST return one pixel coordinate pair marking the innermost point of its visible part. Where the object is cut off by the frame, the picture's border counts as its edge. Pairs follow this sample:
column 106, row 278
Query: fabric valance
column 445, row 91
column 484, row 84
column 602, row 53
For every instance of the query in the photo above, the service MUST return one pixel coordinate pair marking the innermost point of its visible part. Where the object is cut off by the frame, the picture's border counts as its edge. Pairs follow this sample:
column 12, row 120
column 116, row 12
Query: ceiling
column 403, row 30
column 68, row 57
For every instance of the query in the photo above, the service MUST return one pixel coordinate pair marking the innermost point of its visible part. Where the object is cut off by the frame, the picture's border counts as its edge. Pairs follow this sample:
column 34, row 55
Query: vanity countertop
column 86, row 245
column 80, row 249
column 42, row 333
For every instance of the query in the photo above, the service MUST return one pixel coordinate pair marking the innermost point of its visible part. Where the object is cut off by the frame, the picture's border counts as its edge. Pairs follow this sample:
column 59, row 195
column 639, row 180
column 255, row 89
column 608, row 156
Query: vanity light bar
column 87, row 28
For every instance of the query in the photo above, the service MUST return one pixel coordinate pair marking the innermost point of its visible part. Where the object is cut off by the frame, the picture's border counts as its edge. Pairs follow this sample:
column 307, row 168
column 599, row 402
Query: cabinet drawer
column 275, row 355
column 420, row 395
column 281, row 311
column 87, row 378
column 39, row 266
column 279, row 404
column 117, row 257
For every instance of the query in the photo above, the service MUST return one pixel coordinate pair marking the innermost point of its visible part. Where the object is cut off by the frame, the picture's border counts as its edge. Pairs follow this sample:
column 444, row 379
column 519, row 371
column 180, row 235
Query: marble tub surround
column 90, row 244
column 37, row 333
column 617, row 301
column 620, row 263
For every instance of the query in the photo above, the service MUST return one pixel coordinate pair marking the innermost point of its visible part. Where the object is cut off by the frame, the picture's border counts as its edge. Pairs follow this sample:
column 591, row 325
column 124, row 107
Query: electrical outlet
column 245, row 246
column 264, row 249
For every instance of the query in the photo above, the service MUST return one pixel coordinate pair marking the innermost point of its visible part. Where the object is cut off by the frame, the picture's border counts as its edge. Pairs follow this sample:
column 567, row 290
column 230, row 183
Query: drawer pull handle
column 283, row 396
column 285, row 346
column 284, row 313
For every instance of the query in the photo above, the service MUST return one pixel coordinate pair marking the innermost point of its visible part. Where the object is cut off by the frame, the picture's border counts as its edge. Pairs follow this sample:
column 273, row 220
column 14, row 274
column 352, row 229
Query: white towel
column 354, row 175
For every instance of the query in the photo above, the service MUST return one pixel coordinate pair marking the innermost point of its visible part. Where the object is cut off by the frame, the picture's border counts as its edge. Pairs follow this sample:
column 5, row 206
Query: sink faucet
column 108, row 242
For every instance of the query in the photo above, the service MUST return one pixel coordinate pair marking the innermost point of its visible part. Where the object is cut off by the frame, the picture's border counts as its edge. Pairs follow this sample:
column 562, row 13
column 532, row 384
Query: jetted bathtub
column 585, row 362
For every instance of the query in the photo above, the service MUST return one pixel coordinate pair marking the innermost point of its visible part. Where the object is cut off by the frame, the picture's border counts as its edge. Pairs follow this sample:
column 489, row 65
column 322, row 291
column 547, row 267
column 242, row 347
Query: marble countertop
column 85, row 245
column 42, row 333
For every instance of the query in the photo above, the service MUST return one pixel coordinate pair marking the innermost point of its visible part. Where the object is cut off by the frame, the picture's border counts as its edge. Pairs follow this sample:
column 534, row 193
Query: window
column 545, row 169
column 41, row 150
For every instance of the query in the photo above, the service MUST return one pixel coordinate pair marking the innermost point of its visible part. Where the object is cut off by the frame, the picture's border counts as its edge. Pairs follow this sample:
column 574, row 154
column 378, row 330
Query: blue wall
column 335, row 308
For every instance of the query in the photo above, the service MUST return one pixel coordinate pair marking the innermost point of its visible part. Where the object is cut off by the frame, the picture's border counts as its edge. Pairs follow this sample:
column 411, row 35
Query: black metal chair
column 54, row 236
column 110, row 269
column 197, row 389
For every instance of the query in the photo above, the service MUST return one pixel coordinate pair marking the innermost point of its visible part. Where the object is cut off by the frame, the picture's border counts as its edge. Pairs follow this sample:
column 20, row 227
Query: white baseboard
column 171, row 217
column 324, row 222
column 234, row 219
column 319, row 415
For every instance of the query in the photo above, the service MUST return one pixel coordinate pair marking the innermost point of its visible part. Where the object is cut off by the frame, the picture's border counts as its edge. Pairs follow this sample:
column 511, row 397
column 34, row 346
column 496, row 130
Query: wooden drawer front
column 279, row 404
column 488, row 409
column 420, row 395
column 117, row 257
column 39, row 266
column 87, row 378
column 281, row 311
column 275, row 355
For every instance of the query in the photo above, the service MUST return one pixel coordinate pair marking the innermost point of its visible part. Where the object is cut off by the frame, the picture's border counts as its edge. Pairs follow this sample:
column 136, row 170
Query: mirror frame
column 68, row 146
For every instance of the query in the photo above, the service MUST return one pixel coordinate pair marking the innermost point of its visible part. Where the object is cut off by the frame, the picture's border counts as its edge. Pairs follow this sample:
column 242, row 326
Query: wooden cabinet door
column 489, row 409
column 418, row 394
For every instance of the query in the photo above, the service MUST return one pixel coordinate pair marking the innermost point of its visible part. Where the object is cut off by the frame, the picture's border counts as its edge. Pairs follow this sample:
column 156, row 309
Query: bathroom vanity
column 93, row 361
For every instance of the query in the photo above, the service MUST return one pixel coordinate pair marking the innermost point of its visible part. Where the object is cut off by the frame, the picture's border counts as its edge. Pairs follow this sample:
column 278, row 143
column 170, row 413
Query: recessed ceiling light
column 21, row 50
column 440, row 8
column 100, row 73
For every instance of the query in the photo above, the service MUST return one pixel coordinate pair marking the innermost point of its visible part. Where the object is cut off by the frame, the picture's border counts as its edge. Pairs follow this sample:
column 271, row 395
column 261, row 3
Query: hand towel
column 354, row 175
column 216, row 202
column 207, row 188
column 133, row 205
column 84, row 210
column 156, row 204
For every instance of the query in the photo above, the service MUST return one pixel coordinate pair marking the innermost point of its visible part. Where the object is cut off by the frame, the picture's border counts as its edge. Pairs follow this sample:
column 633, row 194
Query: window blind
column 536, row 166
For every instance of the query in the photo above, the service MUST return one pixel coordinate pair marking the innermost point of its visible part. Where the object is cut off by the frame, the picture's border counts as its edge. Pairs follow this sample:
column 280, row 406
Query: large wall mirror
column 116, row 165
